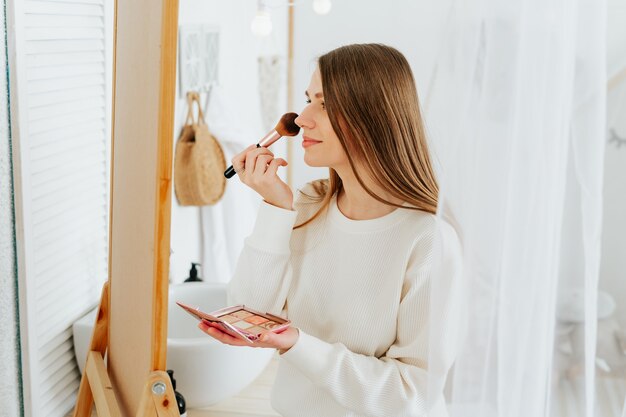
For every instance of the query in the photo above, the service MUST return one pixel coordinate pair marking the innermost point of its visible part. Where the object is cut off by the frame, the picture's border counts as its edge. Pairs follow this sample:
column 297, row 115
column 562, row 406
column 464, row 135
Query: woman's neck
column 356, row 204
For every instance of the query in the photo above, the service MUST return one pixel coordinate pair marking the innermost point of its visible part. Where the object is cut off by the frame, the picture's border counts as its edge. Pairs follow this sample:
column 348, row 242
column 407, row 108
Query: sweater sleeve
column 263, row 271
column 397, row 383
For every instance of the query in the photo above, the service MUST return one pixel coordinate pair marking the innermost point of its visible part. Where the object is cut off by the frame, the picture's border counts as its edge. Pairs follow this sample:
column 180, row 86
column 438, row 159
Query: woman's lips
column 306, row 142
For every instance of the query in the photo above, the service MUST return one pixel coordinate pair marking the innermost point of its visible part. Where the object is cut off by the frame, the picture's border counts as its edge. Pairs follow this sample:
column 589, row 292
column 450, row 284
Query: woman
column 348, row 262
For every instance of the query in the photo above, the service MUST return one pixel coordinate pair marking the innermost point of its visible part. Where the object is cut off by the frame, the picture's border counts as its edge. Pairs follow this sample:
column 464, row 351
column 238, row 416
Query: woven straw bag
column 199, row 162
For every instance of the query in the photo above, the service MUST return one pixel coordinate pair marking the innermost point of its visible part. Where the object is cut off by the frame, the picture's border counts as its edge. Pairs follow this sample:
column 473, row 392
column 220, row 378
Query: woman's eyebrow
column 317, row 95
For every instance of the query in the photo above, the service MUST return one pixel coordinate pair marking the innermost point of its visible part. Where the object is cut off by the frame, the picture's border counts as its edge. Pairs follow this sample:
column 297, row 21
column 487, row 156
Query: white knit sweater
column 360, row 292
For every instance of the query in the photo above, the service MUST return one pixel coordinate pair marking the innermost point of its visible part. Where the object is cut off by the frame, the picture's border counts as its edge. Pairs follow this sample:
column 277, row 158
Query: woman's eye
column 308, row 101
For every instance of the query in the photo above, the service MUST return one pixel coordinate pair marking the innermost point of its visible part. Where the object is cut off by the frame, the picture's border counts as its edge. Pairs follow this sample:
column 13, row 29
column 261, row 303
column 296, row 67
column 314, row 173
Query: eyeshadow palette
column 240, row 321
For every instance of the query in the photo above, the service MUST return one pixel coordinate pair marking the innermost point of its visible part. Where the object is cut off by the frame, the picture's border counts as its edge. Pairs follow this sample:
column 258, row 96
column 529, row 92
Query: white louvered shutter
column 60, row 71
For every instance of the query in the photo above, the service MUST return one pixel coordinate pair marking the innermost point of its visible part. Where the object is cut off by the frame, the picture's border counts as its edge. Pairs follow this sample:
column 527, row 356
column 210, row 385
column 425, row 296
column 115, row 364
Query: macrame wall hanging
column 270, row 82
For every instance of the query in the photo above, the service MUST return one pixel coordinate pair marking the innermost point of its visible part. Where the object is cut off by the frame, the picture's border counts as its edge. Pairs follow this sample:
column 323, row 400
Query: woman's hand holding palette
column 240, row 321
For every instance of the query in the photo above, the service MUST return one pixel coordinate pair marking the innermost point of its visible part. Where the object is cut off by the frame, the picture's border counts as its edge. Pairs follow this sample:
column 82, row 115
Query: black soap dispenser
column 180, row 400
column 193, row 273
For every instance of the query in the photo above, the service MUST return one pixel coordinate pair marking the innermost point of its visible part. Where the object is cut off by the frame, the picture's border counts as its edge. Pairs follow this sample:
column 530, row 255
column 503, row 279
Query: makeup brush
column 286, row 126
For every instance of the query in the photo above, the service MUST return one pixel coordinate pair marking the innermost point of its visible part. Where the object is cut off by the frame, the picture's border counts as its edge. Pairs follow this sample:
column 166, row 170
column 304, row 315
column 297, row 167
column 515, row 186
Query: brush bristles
column 287, row 126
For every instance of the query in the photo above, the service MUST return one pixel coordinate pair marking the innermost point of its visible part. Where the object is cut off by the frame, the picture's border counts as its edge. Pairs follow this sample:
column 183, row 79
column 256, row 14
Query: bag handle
column 194, row 97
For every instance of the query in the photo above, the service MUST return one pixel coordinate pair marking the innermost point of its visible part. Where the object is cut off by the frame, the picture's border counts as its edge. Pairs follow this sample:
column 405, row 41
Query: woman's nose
column 304, row 121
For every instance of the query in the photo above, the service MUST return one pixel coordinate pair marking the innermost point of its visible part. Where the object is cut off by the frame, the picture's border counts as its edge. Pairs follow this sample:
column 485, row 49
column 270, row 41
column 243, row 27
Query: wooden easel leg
column 158, row 398
column 84, row 400
column 102, row 390
column 158, row 395
column 99, row 343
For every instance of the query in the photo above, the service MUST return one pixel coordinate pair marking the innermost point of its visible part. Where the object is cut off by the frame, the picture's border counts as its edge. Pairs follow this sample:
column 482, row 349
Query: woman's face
column 320, row 142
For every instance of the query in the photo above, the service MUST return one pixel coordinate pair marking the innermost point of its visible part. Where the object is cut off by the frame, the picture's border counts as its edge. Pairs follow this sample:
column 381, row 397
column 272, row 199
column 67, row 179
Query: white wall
column 616, row 36
column 613, row 263
column 238, row 52
column 10, row 390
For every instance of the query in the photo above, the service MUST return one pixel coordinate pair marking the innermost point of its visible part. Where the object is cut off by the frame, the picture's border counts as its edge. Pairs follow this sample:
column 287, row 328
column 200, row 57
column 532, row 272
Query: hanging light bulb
column 322, row 6
column 262, row 23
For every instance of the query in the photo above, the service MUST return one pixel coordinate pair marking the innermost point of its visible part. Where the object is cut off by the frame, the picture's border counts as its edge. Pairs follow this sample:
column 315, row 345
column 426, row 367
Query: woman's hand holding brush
column 257, row 168
column 286, row 126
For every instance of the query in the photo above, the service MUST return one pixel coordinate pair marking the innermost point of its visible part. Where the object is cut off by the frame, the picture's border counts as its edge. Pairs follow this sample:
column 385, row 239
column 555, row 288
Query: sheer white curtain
column 516, row 115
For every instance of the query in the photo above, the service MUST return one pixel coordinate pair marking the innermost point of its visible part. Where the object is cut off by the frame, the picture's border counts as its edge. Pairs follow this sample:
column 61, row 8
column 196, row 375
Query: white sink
column 206, row 371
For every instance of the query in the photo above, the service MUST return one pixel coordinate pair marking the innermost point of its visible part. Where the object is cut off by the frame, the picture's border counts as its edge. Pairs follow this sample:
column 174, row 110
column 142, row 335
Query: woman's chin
column 312, row 162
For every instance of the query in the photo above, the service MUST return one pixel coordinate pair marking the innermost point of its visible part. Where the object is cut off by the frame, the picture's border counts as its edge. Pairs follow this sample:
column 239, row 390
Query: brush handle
column 230, row 172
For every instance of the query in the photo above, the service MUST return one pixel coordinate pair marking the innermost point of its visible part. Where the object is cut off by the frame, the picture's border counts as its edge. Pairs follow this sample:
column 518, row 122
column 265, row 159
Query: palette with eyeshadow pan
column 240, row 321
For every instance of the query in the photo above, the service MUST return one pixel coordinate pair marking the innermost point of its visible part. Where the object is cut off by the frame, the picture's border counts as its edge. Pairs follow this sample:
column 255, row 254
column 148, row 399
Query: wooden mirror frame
column 144, row 86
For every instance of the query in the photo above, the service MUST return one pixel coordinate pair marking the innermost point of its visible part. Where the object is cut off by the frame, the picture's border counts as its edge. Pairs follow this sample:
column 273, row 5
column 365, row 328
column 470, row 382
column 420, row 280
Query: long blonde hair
column 371, row 100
